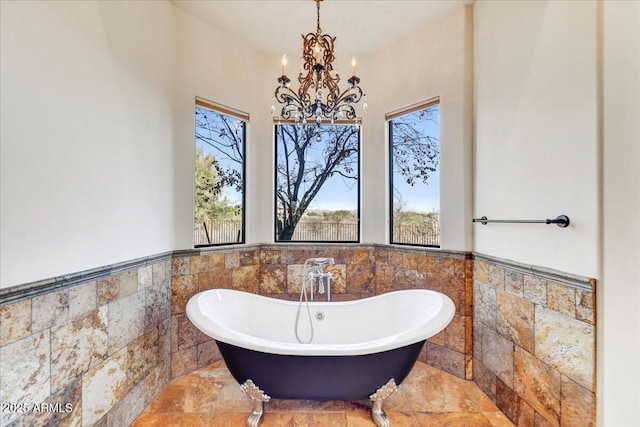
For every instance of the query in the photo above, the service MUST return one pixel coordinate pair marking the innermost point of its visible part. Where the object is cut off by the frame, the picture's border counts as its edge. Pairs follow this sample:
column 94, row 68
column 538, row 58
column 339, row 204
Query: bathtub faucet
column 321, row 261
column 315, row 274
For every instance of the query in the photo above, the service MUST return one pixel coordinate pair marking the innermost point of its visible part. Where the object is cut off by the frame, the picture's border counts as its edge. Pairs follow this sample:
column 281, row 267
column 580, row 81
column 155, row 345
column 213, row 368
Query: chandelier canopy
column 318, row 95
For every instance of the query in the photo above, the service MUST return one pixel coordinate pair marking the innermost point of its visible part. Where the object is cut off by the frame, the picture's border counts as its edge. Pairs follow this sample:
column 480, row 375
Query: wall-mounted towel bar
column 561, row 221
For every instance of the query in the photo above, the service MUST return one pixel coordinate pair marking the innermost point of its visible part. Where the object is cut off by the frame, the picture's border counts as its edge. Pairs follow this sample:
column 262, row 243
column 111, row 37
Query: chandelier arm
column 344, row 102
column 350, row 112
column 303, row 92
column 328, row 44
column 308, row 43
column 290, row 100
column 332, row 85
column 348, row 96
column 307, row 81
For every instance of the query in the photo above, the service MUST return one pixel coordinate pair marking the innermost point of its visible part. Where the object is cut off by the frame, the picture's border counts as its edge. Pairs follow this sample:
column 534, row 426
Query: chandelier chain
column 318, row 30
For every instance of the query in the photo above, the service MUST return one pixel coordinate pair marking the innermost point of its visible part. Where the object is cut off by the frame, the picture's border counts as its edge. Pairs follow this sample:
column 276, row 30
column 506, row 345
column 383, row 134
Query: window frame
column 244, row 117
column 389, row 117
column 279, row 122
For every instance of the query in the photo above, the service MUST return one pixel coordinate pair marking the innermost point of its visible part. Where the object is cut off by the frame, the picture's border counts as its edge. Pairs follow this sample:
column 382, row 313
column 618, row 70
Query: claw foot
column 259, row 397
column 380, row 418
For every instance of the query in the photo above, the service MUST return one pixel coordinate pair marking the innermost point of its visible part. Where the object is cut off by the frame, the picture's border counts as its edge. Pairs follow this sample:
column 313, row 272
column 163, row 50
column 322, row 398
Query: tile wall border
column 29, row 290
column 575, row 281
column 19, row 293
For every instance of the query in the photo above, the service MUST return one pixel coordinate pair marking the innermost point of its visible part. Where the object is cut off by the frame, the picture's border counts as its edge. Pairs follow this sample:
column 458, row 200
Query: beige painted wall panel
column 619, row 292
column 86, row 132
column 536, row 131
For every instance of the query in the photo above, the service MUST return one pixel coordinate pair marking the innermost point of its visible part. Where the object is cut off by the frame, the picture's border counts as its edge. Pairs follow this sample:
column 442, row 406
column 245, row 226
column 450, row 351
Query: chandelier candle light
column 319, row 94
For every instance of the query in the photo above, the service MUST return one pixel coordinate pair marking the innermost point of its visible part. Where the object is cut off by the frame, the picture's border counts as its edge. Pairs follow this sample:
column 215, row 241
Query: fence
column 326, row 231
column 215, row 231
column 426, row 235
column 211, row 231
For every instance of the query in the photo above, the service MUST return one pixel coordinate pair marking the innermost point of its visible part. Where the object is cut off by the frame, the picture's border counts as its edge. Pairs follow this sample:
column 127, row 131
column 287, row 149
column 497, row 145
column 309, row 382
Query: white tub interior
column 365, row 326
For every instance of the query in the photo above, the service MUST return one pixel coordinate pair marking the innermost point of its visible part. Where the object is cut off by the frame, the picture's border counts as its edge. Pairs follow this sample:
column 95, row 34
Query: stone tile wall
column 534, row 346
column 107, row 346
column 359, row 271
column 100, row 349
column 197, row 271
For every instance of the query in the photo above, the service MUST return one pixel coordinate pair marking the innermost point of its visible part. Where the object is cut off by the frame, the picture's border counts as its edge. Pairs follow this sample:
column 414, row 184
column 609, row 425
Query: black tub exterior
column 319, row 377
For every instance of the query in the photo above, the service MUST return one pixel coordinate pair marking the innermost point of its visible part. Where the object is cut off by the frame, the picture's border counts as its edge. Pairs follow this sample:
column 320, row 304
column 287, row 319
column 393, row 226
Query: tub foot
column 380, row 418
column 259, row 397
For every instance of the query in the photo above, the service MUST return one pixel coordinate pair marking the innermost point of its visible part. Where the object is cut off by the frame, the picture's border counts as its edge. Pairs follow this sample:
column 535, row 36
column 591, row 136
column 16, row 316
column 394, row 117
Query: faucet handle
column 321, row 261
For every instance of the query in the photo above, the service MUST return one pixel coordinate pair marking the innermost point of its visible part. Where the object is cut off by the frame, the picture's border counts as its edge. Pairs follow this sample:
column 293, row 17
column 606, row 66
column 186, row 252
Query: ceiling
column 275, row 26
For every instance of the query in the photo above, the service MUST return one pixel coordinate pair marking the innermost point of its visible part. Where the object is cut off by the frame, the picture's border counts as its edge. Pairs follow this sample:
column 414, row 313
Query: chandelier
column 318, row 95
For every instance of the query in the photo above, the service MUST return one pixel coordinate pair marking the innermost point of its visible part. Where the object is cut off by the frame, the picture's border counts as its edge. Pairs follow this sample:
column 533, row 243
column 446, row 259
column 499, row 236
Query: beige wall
column 556, row 132
column 86, row 135
column 190, row 59
column 260, row 164
column 97, row 130
column 619, row 291
column 536, row 131
column 211, row 65
column 433, row 62
column 392, row 78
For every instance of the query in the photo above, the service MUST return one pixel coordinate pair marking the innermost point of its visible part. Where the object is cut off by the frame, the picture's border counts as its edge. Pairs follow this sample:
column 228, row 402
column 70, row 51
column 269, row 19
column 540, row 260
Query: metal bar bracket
column 561, row 221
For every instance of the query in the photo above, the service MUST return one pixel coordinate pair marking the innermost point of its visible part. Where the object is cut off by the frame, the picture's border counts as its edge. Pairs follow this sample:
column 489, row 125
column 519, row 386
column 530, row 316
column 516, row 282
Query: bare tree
column 416, row 154
column 400, row 208
column 300, row 176
column 225, row 135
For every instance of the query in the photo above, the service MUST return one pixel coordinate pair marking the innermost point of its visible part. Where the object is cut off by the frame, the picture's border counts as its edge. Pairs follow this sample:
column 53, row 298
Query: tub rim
column 419, row 332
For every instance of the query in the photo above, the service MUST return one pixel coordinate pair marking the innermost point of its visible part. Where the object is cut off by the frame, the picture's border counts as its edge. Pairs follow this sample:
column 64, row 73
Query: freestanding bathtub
column 358, row 347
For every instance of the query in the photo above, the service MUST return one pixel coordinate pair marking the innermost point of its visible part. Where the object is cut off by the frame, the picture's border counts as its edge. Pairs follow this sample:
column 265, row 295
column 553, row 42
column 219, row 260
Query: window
column 317, row 183
column 414, row 164
column 219, row 174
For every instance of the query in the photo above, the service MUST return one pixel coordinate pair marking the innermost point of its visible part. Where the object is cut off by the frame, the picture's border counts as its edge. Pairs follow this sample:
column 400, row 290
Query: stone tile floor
column 427, row 397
